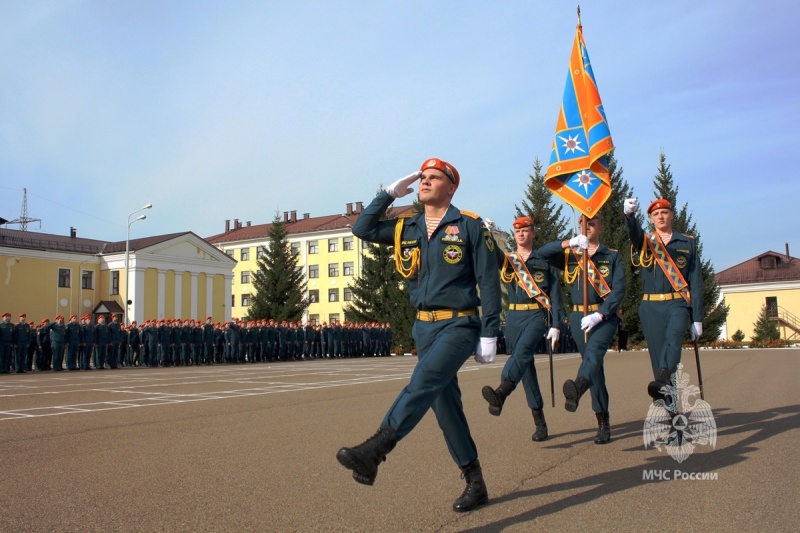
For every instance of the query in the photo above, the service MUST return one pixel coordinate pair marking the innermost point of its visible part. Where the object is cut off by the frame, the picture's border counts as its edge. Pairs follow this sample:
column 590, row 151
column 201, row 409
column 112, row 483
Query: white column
column 137, row 291
column 194, row 294
column 228, row 293
column 209, row 295
column 162, row 293
column 178, row 294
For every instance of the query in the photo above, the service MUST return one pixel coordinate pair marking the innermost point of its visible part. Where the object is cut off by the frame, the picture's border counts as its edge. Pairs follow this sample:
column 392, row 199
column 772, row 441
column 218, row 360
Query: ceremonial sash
column 526, row 281
column 668, row 266
column 597, row 281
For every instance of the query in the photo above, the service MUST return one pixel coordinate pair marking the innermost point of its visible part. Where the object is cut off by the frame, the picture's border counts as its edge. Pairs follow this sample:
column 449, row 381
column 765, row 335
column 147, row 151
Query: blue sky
column 238, row 109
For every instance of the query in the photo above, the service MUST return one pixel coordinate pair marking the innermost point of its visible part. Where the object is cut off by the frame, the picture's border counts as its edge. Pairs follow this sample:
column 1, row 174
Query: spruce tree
column 380, row 294
column 765, row 329
column 538, row 204
column 279, row 282
column 615, row 237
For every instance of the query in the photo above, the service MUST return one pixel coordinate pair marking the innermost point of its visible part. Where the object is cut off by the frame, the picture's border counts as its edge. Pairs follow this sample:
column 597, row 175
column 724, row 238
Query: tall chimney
column 248, row 223
column 306, row 216
column 227, row 225
column 788, row 257
column 359, row 207
column 293, row 216
column 349, row 209
column 73, row 232
column 235, row 224
column 286, row 216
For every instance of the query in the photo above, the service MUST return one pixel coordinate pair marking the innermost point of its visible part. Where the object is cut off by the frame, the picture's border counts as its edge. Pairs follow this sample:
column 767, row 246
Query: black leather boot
column 475, row 493
column 603, row 428
column 662, row 380
column 497, row 397
column 364, row 459
column 573, row 390
column 541, row 426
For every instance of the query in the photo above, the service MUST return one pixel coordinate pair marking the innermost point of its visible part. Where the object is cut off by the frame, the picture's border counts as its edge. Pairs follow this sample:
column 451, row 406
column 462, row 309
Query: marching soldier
column 534, row 310
column 606, row 282
column 446, row 256
column 672, row 288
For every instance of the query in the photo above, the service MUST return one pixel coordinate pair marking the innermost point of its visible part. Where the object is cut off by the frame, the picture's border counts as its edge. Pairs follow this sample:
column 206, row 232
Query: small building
column 770, row 279
column 178, row 275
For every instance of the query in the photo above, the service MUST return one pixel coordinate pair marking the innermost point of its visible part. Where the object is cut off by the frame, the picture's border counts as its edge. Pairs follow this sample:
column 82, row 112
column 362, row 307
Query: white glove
column 590, row 321
column 553, row 335
column 579, row 241
column 490, row 226
column 400, row 188
column 696, row 330
column 631, row 205
column 486, row 351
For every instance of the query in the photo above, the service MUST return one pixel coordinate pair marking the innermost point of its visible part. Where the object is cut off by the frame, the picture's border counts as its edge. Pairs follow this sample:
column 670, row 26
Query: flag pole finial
column 579, row 15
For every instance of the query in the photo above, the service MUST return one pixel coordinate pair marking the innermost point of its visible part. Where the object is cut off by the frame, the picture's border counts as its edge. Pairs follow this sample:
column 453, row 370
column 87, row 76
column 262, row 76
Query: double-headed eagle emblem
column 677, row 422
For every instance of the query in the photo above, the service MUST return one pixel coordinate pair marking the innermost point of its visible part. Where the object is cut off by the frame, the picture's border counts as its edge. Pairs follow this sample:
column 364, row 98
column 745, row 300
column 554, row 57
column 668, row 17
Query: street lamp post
column 127, row 254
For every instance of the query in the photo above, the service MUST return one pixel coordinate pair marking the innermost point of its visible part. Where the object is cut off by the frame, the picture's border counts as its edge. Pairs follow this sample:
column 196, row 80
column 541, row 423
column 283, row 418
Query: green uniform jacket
column 683, row 250
column 459, row 253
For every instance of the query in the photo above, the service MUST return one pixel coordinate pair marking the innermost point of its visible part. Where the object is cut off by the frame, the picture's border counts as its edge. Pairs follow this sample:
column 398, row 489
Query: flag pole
column 585, row 277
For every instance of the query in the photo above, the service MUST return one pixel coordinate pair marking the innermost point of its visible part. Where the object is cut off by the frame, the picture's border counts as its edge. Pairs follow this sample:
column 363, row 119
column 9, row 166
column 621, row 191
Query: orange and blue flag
column 578, row 169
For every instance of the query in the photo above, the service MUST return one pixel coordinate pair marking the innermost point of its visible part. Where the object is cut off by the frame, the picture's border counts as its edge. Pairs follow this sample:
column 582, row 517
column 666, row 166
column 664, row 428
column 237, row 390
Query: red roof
column 768, row 267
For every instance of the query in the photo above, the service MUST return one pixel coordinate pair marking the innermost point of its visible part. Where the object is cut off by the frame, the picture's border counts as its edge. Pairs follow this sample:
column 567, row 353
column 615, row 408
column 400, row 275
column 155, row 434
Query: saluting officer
column 534, row 310
column 672, row 287
column 447, row 256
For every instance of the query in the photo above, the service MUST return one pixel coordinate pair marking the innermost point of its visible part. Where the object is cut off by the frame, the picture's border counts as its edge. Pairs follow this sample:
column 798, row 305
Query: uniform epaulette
column 470, row 214
column 690, row 236
column 406, row 215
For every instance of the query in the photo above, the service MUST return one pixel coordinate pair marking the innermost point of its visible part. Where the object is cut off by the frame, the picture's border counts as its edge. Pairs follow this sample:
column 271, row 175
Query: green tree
column 538, row 204
column 380, row 294
column 765, row 329
column 716, row 311
column 616, row 237
column 279, row 282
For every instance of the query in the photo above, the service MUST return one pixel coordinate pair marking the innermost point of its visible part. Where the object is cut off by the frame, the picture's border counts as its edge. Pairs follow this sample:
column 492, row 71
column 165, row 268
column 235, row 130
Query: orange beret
column 6, row 314
column 59, row 317
column 659, row 204
column 444, row 166
column 73, row 316
column 523, row 222
column 22, row 315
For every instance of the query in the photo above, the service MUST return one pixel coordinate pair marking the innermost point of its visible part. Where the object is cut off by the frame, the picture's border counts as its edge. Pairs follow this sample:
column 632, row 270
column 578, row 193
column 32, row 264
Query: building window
column 347, row 243
column 261, row 251
column 246, row 300
column 364, row 245
column 87, row 280
column 115, row 282
column 313, row 319
column 313, row 296
column 348, row 294
column 295, row 248
column 313, row 271
column 245, row 276
column 333, row 295
column 333, row 270
column 245, row 254
column 333, row 317
column 313, row 247
column 333, row 245
column 63, row 277
column 233, row 301
column 348, row 269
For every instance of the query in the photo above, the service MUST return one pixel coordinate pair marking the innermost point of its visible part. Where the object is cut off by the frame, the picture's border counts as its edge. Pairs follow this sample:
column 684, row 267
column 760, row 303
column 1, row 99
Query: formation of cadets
column 175, row 342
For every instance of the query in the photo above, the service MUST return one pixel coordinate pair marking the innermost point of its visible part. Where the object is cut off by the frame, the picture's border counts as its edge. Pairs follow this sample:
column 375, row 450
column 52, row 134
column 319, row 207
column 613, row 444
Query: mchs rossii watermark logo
column 679, row 422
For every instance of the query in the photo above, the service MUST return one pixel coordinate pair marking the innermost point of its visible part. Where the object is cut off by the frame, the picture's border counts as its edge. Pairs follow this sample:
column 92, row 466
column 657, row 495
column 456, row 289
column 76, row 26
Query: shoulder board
column 613, row 250
column 689, row 236
column 406, row 215
column 470, row 214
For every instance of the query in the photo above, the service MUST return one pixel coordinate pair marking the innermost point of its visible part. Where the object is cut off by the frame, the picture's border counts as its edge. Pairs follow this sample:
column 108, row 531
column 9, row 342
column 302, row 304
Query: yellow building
column 329, row 254
column 178, row 275
column 771, row 280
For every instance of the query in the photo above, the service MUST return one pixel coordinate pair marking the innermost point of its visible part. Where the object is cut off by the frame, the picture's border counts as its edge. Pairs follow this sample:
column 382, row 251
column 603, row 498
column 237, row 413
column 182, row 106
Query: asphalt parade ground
column 252, row 448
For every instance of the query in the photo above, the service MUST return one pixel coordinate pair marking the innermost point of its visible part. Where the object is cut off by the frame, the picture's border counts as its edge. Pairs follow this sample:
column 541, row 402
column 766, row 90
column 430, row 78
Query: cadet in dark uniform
column 73, row 337
column 606, row 282
column 22, row 338
column 6, row 343
column 672, row 287
column 88, row 337
column 58, row 337
column 114, row 340
column 45, row 346
column 534, row 310
column 447, row 256
column 103, row 337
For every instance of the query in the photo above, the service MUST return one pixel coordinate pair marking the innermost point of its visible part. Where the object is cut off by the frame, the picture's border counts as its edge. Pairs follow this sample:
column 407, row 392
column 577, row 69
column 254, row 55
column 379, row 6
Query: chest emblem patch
column 452, row 254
